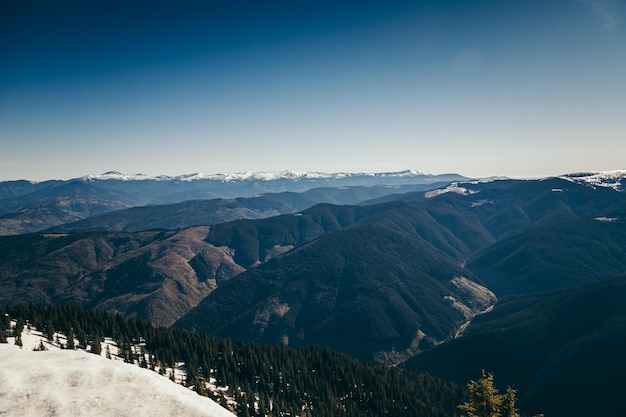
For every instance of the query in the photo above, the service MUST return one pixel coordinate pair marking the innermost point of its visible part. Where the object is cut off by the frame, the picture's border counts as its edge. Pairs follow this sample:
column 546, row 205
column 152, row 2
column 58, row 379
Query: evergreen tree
column 96, row 345
column 19, row 327
column 486, row 401
column 81, row 336
column 18, row 340
column 508, row 403
column 17, row 331
column 70, row 339
column 4, row 325
column 49, row 330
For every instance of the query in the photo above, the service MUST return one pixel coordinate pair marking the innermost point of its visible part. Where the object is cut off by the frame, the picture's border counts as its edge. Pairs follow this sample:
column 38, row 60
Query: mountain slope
column 386, row 255
column 156, row 275
column 554, row 256
column 366, row 290
column 250, row 378
column 562, row 351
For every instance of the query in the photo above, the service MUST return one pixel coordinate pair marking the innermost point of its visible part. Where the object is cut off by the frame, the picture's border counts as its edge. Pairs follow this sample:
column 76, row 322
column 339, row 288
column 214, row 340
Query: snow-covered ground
column 452, row 188
column 76, row 383
column 58, row 382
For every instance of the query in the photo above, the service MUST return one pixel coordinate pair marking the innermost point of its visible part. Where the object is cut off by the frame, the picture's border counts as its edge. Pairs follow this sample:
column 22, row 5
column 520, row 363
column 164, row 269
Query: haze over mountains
column 32, row 206
column 412, row 271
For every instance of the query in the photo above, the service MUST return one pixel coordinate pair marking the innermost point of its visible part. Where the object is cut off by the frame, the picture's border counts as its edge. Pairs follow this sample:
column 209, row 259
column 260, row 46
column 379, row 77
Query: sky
column 481, row 88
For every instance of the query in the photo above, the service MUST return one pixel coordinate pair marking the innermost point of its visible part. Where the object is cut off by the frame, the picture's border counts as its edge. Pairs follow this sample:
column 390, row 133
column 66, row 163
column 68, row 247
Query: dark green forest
column 285, row 381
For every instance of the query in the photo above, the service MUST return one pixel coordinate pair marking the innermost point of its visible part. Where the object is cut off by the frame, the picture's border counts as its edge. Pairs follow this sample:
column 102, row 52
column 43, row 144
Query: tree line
column 264, row 380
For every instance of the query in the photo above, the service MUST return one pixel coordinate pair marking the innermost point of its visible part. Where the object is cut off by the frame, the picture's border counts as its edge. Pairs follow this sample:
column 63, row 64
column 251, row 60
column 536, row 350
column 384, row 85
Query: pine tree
column 484, row 398
column 486, row 401
column 49, row 330
column 96, row 346
column 4, row 326
column 18, row 340
column 70, row 339
column 17, row 331
column 508, row 403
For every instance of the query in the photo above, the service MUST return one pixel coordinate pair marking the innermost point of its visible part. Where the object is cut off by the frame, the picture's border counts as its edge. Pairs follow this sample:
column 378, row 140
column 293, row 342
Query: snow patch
column 482, row 203
column 452, row 188
column 32, row 339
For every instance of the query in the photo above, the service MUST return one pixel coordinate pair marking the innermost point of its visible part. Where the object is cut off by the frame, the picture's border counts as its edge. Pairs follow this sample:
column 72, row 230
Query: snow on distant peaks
column 115, row 175
column 609, row 179
column 268, row 176
column 252, row 176
column 304, row 175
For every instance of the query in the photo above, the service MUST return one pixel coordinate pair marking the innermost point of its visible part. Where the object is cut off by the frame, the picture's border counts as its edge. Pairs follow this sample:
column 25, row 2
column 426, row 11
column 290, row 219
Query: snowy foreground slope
column 77, row 383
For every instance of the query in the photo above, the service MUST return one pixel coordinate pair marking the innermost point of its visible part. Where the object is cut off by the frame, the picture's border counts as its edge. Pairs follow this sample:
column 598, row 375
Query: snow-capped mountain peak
column 611, row 179
column 116, row 175
column 253, row 176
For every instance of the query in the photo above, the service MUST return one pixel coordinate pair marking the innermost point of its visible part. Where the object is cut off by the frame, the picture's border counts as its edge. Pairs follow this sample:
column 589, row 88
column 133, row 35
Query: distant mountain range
column 33, row 206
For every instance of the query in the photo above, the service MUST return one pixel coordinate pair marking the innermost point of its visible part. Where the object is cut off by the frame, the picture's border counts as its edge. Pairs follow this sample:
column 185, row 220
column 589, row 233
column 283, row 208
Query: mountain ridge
column 30, row 207
column 252, row 175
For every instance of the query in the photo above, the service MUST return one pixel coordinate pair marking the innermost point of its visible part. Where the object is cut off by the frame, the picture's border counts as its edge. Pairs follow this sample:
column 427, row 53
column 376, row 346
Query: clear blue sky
column 517, row 88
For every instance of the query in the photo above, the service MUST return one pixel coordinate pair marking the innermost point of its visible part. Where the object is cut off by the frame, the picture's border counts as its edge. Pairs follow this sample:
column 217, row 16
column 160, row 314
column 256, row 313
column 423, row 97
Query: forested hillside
column 154, row 275
column 307, row 381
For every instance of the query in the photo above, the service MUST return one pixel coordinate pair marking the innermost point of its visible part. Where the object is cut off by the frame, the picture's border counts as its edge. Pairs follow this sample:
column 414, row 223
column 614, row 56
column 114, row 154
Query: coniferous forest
column 263, row 380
